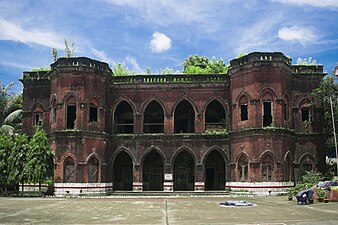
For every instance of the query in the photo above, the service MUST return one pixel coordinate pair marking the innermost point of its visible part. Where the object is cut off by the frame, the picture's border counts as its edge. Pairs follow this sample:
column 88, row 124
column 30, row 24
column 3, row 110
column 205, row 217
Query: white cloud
column 134, row 64
column 160, row 42
column 102, row 56
column 298, row 34
column 14, row 32
column 315, row 3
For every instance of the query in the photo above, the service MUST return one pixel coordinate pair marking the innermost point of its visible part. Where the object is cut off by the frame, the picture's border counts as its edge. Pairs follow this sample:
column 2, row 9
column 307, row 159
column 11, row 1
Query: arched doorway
column 69, row 171
column 123, row 172
column 153, row 172
column 184, row 172
column 93, row 170
column 214, row 172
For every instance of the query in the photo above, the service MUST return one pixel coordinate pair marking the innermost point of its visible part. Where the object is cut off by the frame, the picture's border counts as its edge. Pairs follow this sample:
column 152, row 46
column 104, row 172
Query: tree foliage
column 306, row 61
column 196, row 64
column 18, row 159
column 6, row 145
column 39, row 166
column 121, row 70
column 69, row 50
column 10, row 109
column 327, row 93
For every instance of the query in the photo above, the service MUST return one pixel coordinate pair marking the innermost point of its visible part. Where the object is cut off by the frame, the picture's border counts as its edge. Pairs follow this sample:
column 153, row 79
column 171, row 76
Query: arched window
column 286, row 109
column 242, row 168
column 267, row 100
column 306, row 111
column 68, row 170
column 184, row 118
column 267, row 168
column 93, row 170
column 124, row 119
column 153, row 118
column 71, row 113
column 215, row 116
column 244, row 111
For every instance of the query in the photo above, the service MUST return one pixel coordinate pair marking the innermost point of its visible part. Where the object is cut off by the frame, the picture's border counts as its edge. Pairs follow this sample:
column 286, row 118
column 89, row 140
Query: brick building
column 254, row 128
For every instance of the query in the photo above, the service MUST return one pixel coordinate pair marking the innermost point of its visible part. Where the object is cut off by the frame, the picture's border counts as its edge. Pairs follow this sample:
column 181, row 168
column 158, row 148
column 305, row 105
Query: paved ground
column 267, row 210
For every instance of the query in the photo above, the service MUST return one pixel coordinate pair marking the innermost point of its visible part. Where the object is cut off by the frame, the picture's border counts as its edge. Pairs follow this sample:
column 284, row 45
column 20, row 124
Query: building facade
column 255, row 128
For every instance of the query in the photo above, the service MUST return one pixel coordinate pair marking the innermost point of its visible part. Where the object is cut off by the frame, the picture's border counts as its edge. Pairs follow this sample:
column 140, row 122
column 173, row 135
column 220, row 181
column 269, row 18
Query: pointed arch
column 127, row 151
column 186, row 98
column 305, row 110
column 93, row 110
column 184, row 117
column 307, row 162
column 153, row 117
column 153, row 170
column 70, row 98
column 243, row 95
column 267, row 94
column 242, row 166
column 153, row 148
column 93, row 170
column 122, row 170
column 268, row 165
column 184, row 148
column 221, row 151
column 152, row 99
column 184, row 171
column 214, row 170
column 123, row 118
column 215, row 116
column 69, row 166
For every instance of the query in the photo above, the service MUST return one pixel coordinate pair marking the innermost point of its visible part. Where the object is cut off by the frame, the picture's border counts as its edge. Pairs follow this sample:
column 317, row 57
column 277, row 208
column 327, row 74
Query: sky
column 163, row 33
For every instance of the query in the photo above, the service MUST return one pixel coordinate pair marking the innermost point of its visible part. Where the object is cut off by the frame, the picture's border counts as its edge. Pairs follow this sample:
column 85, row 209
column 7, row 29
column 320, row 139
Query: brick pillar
column 137, row 183
column 199, row 178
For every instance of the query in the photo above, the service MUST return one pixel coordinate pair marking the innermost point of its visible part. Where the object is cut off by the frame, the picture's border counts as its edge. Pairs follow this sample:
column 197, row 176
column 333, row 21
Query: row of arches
column 183, row 170
column 154, row 116
column 153, row 171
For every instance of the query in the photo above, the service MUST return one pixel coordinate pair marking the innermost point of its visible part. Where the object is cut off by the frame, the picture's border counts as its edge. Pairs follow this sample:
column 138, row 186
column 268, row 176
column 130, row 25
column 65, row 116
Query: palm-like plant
column 10, row 110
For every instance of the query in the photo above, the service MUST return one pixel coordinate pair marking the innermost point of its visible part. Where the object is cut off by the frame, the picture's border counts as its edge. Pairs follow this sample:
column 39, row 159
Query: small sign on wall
column 168, row 176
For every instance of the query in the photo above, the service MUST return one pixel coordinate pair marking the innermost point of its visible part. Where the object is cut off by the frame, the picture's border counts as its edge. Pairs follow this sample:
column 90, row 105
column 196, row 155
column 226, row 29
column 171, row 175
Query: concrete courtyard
column 183, row 210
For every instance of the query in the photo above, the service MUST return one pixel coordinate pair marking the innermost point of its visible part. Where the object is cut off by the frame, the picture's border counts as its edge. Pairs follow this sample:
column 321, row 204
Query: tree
column 6, row 145
column 196, row 64
column 306, row 61
column 69, row 50
column 54, row 54
column 18, row 159
column 39, row 166
column 121, row 70
column 10, row 109
column 326, row 94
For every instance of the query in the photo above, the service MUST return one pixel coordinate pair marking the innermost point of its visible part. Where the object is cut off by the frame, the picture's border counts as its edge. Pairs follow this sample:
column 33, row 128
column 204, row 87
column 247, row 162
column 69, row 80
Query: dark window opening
column 93, row 114
column 243, row 169
column 244, row 112
column 184, row 118
column 267, row 114
column 184, row 172
column 124, row 119
column 286, row 111
column 304, row 167
column 153, row 172
column 71, row 117
column 69, row 171
column 215, row 172
column 93, row 171
column 215, row 116
column 306, row 115
column 123, row 172
column 54, row 115
column 153, row 118
column 37, row 118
